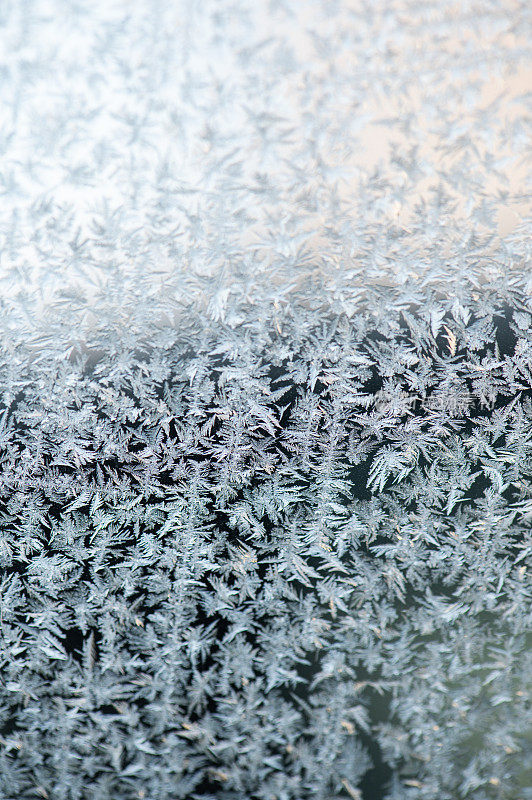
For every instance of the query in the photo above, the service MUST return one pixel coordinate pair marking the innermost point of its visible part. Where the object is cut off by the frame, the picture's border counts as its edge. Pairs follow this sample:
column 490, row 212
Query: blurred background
column 156, row 154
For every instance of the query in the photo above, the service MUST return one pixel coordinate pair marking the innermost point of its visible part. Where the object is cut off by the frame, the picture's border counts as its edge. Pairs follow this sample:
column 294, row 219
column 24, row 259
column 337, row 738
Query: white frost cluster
column 265, row 400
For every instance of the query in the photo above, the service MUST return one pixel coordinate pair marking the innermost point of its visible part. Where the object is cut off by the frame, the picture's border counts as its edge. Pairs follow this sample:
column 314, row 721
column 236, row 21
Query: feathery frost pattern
column 265, row 401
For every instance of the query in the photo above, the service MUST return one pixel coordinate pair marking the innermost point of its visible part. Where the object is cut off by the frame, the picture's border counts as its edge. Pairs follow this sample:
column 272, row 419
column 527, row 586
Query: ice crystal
column 265, row 401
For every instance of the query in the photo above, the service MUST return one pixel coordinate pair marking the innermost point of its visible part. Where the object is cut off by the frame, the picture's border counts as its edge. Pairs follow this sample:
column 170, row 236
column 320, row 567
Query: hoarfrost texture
column 266, row 400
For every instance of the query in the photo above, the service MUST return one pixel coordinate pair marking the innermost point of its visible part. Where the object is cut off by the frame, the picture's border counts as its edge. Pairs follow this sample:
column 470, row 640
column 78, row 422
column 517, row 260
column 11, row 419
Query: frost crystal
column 265, row 400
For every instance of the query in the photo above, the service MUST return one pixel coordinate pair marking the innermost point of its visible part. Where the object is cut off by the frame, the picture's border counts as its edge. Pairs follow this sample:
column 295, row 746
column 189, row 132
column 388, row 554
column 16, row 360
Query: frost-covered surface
column 265, row 401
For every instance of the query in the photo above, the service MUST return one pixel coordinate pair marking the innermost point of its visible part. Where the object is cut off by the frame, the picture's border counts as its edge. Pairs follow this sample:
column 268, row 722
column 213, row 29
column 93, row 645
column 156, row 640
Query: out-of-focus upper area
column 156, row 154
